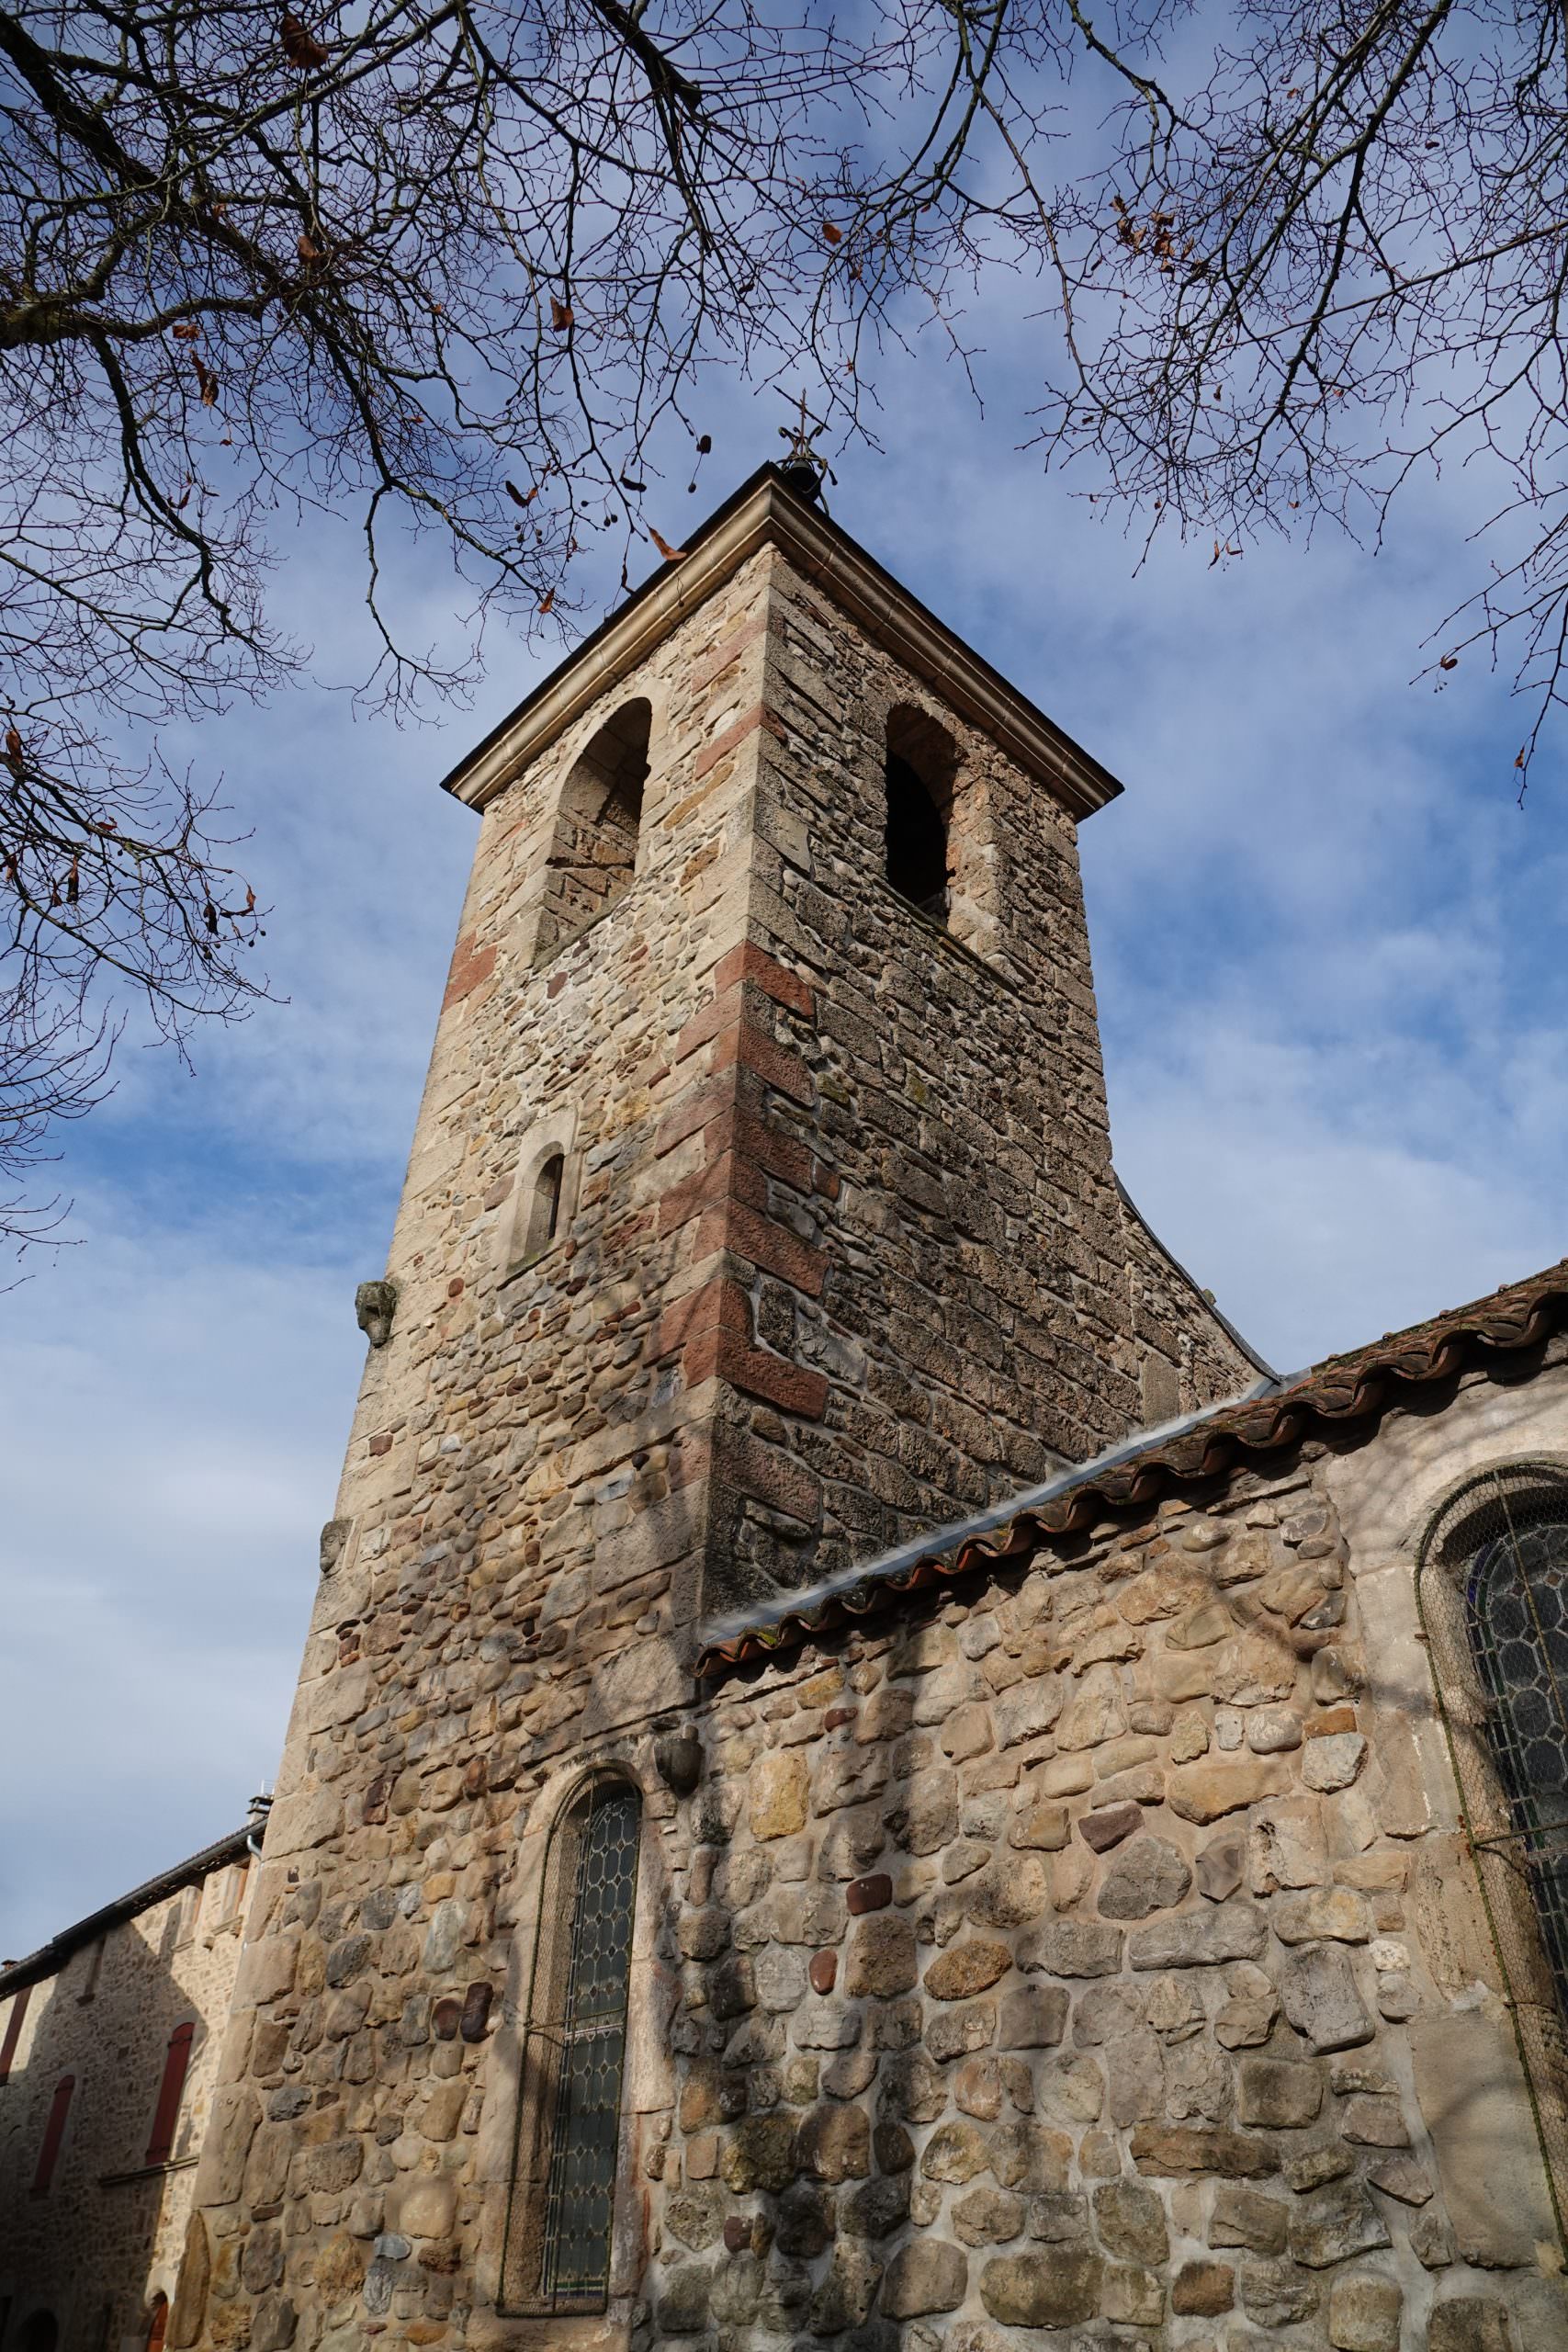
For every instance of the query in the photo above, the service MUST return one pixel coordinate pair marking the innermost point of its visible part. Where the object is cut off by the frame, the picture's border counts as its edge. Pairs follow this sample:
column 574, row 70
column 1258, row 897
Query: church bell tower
column 760, row 1212
column 759, row 1217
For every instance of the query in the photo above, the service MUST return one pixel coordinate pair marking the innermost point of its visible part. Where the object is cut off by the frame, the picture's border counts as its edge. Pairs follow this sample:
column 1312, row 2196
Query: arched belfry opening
column 593, row 854
column 921, row 763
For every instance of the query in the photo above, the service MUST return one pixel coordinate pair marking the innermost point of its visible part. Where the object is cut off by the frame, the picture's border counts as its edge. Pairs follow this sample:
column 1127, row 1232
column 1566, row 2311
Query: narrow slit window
column 593, row 854
column 543, row 1207
column 224, row 1894
column 13, row 2031
column 921, row 763
column 90, row 1970
column 559, row 2220
column 157, row 2323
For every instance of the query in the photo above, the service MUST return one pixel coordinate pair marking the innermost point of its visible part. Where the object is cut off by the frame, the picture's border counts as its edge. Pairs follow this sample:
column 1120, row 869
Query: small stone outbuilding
column 109, row 2041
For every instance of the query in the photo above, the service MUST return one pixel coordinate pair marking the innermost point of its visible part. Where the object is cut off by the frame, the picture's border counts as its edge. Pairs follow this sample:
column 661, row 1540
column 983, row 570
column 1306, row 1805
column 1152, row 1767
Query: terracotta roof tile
column 1338, row 1394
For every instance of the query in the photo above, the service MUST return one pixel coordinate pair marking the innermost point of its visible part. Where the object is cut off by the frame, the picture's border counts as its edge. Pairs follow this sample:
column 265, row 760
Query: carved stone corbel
column 375, row 1304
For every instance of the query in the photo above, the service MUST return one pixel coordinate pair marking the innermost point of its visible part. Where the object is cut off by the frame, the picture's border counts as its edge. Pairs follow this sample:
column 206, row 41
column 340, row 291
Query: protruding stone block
column 1058, row 2288
column 1364, row 2313
column 927, row 2274
column 1206, row 1791
column 1319, row 1991
column 777, row 1794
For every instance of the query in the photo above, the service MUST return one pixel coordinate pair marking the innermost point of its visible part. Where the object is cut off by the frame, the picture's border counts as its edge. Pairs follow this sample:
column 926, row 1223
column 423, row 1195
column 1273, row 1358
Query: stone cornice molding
column 765, row 512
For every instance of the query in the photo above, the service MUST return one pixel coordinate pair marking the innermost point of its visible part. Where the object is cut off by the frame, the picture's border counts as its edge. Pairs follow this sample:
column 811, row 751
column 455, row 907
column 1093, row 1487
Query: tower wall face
column 838, row 1257
column 978, row 1320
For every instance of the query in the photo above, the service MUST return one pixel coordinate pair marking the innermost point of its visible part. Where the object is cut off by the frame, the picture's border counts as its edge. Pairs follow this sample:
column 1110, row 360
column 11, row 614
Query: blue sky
column 1328, row 951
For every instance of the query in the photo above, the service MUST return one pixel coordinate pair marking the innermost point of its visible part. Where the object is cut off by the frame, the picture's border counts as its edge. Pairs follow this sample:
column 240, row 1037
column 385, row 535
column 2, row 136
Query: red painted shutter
column 53, row 2132
column 160, row 2324
column 13, row 2032
column 170, row 2092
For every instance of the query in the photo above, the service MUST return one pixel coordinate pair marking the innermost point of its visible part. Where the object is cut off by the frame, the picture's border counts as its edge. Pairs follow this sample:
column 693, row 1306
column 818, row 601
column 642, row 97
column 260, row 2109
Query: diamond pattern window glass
column 1517, row 1617
column 563, row 2186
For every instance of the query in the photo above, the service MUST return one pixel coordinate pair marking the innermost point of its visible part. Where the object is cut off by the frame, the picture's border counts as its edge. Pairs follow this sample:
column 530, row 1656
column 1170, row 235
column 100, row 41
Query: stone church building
column 865, row 1776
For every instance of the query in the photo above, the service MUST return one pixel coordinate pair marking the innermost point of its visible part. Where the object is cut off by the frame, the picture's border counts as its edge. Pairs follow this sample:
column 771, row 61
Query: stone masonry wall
column 979, row 1307
column 1089, row 1959
column 108, row 2234
column 971, row 1307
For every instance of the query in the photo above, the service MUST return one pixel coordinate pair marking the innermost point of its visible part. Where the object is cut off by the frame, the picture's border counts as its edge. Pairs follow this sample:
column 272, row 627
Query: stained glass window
column 559, row 2225
column 1517, row 1617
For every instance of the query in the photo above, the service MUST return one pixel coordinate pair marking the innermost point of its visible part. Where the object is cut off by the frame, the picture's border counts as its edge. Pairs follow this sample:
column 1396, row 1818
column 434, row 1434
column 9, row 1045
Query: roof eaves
column 51, row 1957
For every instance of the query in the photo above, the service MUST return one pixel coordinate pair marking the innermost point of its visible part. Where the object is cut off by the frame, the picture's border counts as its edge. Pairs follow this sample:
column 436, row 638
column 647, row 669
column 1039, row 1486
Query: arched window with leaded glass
column 561, row 2212
column 1492, row 1599
column 1492, row 1589
column 1516, row 1597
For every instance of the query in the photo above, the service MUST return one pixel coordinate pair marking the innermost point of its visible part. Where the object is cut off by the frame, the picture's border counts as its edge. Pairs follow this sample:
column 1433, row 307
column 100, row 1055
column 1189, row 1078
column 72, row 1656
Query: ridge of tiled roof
column 1335, row 1394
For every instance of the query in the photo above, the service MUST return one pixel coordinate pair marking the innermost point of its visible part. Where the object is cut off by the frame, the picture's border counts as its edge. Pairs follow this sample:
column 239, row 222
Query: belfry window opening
column 921, row 760
column 592, row 857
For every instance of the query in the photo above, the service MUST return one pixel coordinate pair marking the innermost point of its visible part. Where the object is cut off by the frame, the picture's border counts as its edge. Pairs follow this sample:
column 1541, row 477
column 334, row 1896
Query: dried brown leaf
column 300, row 48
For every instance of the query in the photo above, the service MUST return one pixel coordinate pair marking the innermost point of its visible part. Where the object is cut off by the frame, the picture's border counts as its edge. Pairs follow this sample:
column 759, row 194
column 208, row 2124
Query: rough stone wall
column 95, row 2250
column 981, row 1307
column 1088, row 1959
column 1082, row 1957
column 523, row 1440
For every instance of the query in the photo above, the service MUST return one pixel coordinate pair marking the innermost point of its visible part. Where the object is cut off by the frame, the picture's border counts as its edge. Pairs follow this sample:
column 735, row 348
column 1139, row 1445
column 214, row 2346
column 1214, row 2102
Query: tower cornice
column 765, row 512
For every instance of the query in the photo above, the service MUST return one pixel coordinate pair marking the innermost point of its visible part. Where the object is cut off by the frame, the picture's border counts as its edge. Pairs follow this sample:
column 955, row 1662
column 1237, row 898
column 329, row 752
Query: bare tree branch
column 448, row 266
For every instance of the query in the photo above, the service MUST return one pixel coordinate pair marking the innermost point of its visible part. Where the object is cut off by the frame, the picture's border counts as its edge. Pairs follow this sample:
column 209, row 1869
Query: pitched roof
column 1347, row 1392
column 51, row 1957
column 764, row 510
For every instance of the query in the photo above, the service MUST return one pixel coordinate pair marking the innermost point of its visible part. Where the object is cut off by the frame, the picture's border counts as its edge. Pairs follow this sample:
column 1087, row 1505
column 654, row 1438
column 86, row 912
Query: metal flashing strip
column 940, row 1540
column 1342, row 1393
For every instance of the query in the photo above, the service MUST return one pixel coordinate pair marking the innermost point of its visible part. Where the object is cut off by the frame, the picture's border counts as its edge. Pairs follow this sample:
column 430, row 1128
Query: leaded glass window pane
column 1517, row 1615
column 559, row 2225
